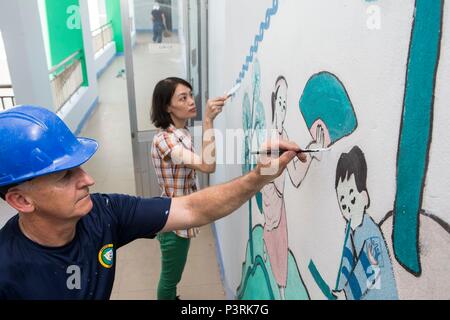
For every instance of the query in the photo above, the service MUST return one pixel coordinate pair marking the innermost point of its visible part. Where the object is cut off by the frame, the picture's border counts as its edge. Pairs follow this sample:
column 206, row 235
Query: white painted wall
column 5, row 78
column 44, row 25
column 305, row 38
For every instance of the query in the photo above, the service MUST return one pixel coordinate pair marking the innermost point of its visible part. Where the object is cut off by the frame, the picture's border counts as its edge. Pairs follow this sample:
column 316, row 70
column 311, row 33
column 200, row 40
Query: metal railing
column 66, row 78
column 102, row 36
column 7, row 100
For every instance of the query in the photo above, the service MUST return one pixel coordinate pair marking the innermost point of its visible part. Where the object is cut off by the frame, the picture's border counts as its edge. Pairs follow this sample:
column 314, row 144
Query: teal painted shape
column 253, row 121
column 416, row 128
column 295, row 288
column 254, row 125
column 325, row 98
column 247, row 126
column 259, row 201
column 323, row 286
column 258, row 281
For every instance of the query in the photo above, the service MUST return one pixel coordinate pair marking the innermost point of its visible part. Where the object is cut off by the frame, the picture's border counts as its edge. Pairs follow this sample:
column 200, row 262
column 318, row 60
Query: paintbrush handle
column 280, row 152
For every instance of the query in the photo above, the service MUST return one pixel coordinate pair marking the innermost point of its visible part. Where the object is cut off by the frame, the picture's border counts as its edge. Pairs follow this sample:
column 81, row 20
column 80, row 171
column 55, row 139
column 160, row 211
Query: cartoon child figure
column 329, row 115
column 366, row 269
column 275, row 227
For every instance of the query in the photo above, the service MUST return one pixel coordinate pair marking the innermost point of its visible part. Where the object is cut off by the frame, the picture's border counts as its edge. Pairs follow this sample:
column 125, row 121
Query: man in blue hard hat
column 62, row 242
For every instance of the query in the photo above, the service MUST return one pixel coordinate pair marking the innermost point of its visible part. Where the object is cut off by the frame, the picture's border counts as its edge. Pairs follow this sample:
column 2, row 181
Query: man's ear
column 19, row 201
column 366, row 198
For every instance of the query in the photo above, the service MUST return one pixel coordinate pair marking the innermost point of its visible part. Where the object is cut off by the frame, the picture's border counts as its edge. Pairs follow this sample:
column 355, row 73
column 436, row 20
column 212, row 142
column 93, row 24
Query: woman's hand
column 214, row 107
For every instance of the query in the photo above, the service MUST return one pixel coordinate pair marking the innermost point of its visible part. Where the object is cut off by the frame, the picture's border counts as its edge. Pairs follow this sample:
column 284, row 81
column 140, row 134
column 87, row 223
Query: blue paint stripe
column 354, row 287
column 347, row 234
column 108, row 64
column 86, row 117
column 228, row 291
column 265, row 25
column 349, row 256
column 415, row 135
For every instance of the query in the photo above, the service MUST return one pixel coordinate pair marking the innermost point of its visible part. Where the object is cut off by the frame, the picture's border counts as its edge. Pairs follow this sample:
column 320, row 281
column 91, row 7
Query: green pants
column 174, row 251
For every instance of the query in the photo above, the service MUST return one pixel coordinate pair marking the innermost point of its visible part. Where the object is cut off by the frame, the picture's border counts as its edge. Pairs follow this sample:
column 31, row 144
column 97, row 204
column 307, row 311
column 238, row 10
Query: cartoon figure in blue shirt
column 366, row 270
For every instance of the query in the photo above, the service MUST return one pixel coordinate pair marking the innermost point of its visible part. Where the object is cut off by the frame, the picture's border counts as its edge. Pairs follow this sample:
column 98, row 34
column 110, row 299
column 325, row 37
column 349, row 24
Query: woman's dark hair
column 162, row 95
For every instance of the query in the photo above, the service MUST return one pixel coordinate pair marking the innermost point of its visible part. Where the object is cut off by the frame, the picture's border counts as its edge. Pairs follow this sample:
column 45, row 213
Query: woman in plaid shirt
column 176, row 164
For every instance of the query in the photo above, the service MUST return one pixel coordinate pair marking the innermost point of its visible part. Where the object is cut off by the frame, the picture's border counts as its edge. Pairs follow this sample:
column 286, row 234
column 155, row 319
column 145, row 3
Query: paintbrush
column 281, row 151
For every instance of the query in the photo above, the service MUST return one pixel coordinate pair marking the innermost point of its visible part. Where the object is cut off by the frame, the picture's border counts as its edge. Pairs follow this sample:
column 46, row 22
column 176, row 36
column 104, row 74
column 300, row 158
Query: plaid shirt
column 174, row 180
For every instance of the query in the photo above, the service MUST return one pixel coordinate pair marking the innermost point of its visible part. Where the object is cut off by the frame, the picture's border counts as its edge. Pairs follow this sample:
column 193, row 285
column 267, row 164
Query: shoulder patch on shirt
column 106, row 256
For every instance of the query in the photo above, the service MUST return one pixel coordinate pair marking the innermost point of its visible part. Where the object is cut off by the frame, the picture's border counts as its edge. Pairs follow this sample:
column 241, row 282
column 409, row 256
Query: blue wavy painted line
column 265, row 25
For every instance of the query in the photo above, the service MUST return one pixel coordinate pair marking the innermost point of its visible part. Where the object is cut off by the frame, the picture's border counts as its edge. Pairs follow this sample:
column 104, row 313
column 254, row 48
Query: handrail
column 101, row 27
column 66, row 78
column 4, row 98
column 65, row 61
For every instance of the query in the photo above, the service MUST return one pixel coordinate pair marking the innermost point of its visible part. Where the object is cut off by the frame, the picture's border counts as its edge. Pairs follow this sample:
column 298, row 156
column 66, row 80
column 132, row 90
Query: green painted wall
column 114, row 15
column 65, row 31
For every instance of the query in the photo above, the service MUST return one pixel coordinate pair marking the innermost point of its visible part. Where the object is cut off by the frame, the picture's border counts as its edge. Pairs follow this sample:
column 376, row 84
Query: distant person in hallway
column 62, row 243
column 159, row 23
column 176, row 163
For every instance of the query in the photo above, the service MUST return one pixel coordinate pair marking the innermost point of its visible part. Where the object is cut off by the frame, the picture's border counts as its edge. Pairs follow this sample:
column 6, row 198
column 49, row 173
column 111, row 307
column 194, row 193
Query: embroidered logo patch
column 106, row 256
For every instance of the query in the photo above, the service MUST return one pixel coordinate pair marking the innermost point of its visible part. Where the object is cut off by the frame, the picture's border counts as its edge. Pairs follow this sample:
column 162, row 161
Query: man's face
column 62, row 195
column 351, row 202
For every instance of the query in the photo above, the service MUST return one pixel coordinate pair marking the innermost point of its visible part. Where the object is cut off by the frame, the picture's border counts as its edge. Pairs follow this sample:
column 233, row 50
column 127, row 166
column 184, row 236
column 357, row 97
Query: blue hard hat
column 35, row 142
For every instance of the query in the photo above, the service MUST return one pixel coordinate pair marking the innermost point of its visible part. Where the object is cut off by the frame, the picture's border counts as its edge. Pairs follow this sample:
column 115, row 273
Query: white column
column 24, row 45
column 77, row 111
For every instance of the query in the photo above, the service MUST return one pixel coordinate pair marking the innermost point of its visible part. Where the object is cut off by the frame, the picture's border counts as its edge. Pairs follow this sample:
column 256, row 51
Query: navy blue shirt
column 84, row 268
column 157, row 16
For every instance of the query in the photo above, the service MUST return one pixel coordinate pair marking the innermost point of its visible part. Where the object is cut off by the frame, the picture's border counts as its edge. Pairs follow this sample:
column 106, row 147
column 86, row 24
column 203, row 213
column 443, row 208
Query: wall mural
column 271, row 269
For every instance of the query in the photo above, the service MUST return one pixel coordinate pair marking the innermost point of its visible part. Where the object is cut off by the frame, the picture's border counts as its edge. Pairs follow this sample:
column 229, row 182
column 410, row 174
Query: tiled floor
column 138, row 264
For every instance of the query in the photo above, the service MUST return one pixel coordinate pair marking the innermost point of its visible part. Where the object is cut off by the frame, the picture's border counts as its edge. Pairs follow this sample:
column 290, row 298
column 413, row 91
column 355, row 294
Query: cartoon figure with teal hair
column 327, row 109
column 329, row 115
column 275, row 232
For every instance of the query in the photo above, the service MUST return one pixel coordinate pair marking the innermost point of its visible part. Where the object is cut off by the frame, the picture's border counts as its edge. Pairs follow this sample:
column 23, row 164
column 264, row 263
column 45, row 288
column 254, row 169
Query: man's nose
column 85, row 179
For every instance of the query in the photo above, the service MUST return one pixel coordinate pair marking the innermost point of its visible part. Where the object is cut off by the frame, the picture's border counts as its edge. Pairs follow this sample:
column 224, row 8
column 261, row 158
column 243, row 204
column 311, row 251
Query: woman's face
column 182, row 106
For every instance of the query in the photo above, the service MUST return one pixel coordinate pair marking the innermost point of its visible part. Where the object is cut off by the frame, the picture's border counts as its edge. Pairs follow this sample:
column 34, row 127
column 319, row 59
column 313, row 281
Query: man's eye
column 67, row 175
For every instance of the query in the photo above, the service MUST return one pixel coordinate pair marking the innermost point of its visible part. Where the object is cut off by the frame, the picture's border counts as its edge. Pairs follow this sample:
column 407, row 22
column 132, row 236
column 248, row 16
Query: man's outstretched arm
column 216, row 202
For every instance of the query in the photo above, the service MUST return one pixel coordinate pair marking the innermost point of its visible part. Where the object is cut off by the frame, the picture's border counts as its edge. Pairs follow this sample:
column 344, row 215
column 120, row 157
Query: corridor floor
column 138, row 263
